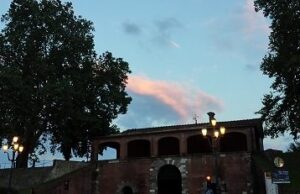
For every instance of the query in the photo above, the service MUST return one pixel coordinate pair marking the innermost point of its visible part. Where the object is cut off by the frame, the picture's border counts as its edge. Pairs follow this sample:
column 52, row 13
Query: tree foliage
column 281, row 107
column 52, row 83
column 294, row 147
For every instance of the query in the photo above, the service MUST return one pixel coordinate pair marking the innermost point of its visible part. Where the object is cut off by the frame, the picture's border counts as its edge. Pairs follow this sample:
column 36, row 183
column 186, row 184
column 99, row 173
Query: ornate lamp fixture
column 16, row 148
column 217, row 133
column 213, row 122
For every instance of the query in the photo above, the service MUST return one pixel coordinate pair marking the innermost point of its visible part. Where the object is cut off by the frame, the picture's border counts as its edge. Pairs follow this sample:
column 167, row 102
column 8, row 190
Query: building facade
column 179, row 159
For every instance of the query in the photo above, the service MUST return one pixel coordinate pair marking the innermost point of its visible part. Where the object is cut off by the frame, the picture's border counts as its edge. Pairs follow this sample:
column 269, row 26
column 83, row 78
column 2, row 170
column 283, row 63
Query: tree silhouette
column 281, row 107
column 294, row 147
column 52, row 83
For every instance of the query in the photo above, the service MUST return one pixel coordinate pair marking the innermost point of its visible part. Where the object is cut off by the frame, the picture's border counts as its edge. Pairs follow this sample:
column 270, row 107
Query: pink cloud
column 185, row 101
column 255, row 21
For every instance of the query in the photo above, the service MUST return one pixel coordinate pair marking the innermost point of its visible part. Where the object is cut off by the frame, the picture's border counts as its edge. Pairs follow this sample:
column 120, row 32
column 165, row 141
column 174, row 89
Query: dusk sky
column 187, row 57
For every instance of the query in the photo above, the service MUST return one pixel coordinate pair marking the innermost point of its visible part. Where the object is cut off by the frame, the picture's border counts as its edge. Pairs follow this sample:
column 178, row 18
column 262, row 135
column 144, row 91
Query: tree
column 281, row 107
column 53, row 86
column 294, row 147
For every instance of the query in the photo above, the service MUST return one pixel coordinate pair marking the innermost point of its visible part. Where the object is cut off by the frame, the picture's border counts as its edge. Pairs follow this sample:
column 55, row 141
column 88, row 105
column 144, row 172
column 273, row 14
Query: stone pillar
column 94, row 152
column 95, row 179
column 123, row 150
column 253, row 140
column 250, row 141
column 154, row 146
column 182, row 145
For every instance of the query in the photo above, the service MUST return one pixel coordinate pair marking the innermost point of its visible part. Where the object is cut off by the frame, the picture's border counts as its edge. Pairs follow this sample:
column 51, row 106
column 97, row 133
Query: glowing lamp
column 15, row 139
column 16, row 146
column 216, row 134
column 21, row 148
column 213, row 122
column 222, row 130
column 5, row 148
column 208, row 178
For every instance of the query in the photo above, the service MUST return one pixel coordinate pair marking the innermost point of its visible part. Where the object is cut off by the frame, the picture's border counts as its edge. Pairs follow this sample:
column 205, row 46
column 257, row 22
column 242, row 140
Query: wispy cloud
column 165, row 25
column 146, row 111
column 131, row 28
column 174, row 44
column 183, row 100
column 160, row 33
column 255, row 22
column 165, row 29
column 251, row 67
column 242, row 32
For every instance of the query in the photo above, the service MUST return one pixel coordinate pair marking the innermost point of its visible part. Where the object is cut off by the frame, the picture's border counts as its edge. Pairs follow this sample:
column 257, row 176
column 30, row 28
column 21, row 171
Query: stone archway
column 169, row 180
column 127, row 190
column 127, row 187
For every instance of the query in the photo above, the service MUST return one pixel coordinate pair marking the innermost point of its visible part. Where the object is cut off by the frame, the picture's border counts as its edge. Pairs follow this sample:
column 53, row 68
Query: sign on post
column 280, row 176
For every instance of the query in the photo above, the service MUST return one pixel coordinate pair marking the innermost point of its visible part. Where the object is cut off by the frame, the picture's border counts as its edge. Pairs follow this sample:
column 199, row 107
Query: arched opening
column 138, row 148
column 168, row 146
column 198, row 144
column 233, row 142
column 169, row 180
column 109, row 151
column 127, row 190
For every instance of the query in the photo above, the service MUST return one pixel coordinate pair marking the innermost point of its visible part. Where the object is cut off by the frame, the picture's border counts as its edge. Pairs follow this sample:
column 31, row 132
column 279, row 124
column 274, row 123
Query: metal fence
column 42, row 163
column 5, row 165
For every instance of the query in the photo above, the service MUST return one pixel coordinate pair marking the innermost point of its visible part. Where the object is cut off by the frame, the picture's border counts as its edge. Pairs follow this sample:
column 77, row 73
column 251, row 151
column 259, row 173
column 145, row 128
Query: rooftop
column 230, row 124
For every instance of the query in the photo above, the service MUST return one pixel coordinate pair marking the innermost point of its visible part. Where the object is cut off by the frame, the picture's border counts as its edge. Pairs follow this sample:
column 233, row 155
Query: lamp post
column 218, row 132
column 15, row 148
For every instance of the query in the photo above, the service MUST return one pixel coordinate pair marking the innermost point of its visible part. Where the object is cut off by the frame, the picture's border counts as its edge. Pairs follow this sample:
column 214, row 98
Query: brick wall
column 76, row 182
column 141, row 174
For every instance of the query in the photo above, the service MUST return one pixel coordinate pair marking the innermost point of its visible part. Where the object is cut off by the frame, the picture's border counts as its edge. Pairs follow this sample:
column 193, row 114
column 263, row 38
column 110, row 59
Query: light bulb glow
column 204, row 132
column 222, row 130
column 216, row 134
column 213, row 122
column 16, row 147
column 21, row 148
column 15, row 139
column 5, row 148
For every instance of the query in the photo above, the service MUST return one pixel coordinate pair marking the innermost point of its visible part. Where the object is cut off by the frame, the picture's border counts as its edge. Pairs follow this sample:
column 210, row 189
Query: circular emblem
column 278, row 162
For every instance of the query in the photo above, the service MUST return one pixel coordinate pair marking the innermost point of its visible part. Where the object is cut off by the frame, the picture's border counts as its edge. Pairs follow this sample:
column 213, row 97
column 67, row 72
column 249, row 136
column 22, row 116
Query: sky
column 187, row 58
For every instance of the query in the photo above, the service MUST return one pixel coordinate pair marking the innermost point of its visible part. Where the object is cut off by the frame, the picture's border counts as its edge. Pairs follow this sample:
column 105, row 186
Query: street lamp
column 218, row 132
column 16, row 148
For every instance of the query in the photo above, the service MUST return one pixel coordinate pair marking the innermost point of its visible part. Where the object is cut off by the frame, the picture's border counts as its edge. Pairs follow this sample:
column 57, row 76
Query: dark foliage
column 52, row 84
column 6, row 190
column 294, row 147
column 281, row 107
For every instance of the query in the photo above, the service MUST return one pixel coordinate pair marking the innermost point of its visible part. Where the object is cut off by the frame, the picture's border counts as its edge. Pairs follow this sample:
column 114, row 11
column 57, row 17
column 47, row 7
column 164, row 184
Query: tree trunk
column 22, row 159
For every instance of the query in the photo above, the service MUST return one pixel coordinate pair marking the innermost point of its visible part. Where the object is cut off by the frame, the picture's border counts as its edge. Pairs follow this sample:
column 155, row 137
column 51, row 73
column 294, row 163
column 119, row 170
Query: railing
column 42, row 163
column 5, row 165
